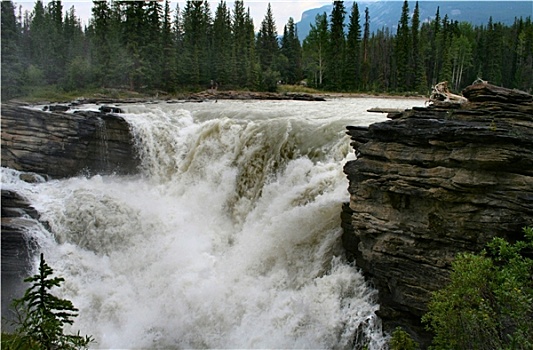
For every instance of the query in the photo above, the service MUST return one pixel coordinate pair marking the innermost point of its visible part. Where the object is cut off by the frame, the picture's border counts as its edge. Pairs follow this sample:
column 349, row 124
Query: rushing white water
column 229, row 237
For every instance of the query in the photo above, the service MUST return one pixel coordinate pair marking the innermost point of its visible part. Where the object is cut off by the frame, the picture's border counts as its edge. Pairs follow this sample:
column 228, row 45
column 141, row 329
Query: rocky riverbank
column 433, row 182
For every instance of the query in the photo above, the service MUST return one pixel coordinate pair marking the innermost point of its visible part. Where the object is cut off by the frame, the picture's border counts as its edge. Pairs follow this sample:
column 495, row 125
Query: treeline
column 147, row 46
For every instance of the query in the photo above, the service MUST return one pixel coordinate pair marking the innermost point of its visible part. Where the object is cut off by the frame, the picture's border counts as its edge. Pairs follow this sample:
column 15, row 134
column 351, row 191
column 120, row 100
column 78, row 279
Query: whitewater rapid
column 229, row 237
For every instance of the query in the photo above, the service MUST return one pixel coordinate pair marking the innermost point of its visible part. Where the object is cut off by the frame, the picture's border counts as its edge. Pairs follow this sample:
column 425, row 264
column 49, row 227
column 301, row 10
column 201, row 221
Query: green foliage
column 401, row 340
column 43, row 316
column 138, row 45
column 336, row 51
column 489, row 301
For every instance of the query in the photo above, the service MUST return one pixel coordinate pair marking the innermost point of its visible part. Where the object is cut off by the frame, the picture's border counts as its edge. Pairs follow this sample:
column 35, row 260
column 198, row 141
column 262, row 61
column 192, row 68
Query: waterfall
column 229, row 237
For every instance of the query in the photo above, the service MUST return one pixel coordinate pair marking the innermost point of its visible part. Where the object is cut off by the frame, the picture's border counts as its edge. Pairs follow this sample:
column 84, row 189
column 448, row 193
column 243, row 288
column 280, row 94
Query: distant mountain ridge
column 387, row 13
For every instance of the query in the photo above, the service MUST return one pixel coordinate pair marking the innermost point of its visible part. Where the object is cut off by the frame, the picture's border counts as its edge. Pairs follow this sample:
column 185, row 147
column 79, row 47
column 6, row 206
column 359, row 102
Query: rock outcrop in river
column 433, row 182
column 61, row 145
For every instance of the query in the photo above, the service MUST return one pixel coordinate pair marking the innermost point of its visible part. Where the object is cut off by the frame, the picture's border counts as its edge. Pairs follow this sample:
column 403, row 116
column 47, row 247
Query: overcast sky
column 281, row 9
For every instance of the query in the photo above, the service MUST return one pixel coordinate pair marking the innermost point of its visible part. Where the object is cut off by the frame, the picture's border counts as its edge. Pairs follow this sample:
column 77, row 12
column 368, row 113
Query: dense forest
column 149, row 46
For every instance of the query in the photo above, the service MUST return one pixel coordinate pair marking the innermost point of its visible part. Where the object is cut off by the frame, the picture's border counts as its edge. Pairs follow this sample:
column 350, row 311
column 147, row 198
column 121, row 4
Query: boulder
column 434, row 182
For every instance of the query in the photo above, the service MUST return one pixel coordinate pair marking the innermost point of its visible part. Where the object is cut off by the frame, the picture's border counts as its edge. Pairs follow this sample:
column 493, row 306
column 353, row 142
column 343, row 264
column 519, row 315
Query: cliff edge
column 433, row 182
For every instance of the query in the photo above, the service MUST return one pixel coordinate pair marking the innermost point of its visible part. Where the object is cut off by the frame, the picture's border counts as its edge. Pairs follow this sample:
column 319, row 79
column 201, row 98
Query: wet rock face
column 63, row 144
column 18, row 217
column 434, row 182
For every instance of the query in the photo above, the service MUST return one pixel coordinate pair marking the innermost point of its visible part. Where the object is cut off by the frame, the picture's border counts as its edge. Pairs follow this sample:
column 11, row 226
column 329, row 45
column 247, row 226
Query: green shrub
column 401, row 340
column 489, row 301
column 42, row 316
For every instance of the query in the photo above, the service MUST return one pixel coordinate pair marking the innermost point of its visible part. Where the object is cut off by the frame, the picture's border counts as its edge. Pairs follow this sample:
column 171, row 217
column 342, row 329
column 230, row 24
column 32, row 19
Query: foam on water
column 229, row 237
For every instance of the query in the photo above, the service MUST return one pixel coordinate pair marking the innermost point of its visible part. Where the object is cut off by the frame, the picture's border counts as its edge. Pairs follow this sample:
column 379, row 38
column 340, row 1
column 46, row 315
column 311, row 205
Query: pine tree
column 178, row 35
column 78, row 73
column 100, row 31
column 239, row 45
column 40, row 45
column 493, row 52
column 252, row 65
column 11, row 52
column 436, row 52
column 292, row 50
column 419, row 80
column 268, row 51
column 57, row 59
column 315, row 47
column 169, row 69
column 267, row 40
column 403, row 51
column 192, row 37
column 152, row 58
column 222, row 40
column 43, row 316
column 380, row 55
column 445, row 39
column 132, row 32
column 365, row 66
column 353, row 50
column 336, row 50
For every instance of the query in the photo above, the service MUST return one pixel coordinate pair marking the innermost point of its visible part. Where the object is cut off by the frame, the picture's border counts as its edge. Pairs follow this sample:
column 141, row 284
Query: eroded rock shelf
column 62, row 145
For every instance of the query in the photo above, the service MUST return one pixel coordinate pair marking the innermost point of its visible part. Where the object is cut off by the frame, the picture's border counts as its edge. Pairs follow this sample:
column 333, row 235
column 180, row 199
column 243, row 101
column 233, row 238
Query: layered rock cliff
column 62, row 145
column 433, row 182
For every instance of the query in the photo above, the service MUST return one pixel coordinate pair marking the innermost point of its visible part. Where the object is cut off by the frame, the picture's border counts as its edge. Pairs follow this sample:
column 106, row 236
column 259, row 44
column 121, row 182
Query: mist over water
column 228, row 238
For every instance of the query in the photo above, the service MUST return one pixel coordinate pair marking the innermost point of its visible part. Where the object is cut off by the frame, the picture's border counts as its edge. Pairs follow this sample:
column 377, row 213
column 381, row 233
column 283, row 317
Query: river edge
column 206, row 95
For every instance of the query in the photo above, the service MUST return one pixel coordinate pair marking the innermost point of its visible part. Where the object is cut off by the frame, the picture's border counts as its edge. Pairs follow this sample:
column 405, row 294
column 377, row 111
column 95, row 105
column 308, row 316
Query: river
column 229, row 237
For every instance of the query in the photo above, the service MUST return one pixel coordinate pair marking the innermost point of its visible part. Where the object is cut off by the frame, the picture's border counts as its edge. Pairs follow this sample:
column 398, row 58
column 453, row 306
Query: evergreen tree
column 152, row 58
column 11, row 52
column 292, row 50
column 268, row 51
column 252, row 66
column 100, row 27
column 56, row 61
column 353, row 50
column 196, row 48
column 267, row 40
column 403, row 51
column 365, row 66
column 239, row 45
column 436, row 52
column 494, row 52
column 169, row 68
column 380, row 56
column 419, row 80
column 445, row 73
column 222, row 40
column 40, row 45
column 336, row 49
column 134, row 40
column 178, row 36
column 78, row 72
column 43, row 316
column 314, row 48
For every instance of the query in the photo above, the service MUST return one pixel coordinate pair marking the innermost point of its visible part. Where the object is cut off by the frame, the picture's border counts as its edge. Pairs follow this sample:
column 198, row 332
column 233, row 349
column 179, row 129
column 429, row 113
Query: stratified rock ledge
column 62, row 145
column 434, row 182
